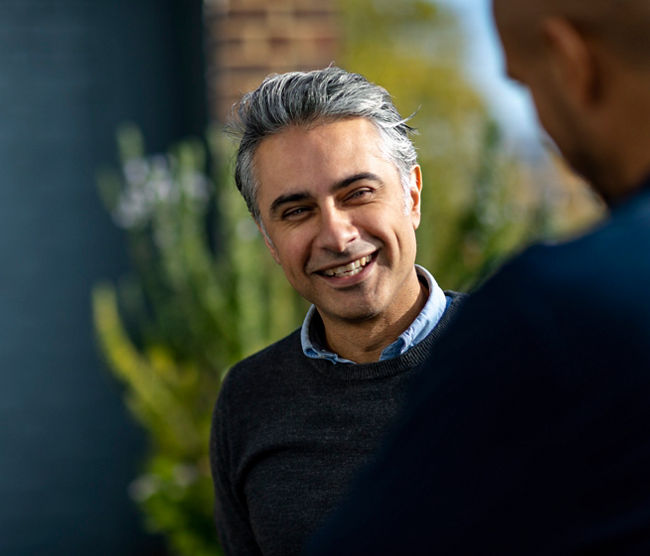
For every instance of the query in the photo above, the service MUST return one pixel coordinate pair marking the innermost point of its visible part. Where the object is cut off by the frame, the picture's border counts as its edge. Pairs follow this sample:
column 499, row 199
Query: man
column 528, row 431
column 329, row 174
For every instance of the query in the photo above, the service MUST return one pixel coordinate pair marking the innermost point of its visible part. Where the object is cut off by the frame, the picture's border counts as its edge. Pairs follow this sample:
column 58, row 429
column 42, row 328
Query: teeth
column 349, row 269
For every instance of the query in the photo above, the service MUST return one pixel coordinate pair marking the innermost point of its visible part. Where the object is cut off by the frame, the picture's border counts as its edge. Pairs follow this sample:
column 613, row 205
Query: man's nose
column 336, row 230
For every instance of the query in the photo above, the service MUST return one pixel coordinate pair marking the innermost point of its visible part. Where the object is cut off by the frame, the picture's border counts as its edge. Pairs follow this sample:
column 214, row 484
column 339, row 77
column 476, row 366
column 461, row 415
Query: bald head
column 587, row 65
column 623, row 26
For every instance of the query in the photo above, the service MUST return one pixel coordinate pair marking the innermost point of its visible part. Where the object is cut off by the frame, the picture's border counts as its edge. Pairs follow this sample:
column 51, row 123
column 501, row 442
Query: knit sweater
column 288, row 434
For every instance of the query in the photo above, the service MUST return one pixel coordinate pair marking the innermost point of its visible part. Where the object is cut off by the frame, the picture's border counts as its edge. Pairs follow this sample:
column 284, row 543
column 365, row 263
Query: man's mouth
column 349, row 269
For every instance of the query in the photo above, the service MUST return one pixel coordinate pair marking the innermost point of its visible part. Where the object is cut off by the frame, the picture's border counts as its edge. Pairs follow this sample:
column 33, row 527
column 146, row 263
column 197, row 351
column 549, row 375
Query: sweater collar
column 312, row 333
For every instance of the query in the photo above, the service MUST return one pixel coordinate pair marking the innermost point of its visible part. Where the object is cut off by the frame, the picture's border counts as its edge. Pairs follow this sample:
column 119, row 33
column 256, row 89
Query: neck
column 624, row 180
column 624, row 151
column 363, row 341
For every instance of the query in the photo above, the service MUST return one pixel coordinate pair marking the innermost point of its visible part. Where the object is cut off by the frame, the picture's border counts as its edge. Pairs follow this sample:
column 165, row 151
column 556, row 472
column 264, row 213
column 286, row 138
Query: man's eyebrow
column 356, row 177
column 284, row 199
column 302, row 195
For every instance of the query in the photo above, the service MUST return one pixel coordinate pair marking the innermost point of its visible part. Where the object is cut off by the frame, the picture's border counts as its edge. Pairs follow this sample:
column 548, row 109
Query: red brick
column 248, row 39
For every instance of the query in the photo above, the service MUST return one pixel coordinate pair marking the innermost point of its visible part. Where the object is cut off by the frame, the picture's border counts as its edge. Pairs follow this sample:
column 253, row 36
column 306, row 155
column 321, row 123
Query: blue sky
column 509, row 102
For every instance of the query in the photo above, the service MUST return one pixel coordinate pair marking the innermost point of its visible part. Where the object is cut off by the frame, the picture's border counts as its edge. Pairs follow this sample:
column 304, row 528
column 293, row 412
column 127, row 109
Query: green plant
column 478, row 201
column 171, row 330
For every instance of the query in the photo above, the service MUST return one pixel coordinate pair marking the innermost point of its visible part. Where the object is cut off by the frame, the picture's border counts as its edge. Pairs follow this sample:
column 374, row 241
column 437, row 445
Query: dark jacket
column 529, row 430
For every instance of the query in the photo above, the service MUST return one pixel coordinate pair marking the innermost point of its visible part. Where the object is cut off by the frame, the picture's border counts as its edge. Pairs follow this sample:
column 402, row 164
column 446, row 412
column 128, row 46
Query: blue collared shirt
column 420, row 328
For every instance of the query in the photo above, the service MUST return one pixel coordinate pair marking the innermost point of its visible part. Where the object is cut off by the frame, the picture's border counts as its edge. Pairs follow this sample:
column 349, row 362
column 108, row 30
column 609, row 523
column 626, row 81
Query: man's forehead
column 325, row 133
column 300, row 153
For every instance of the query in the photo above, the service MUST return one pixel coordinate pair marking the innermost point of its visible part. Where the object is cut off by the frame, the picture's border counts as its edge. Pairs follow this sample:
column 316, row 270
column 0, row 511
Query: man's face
column 336, row 219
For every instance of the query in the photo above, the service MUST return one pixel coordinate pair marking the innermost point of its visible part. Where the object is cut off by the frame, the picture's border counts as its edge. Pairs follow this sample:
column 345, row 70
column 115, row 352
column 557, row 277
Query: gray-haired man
column 330, row 175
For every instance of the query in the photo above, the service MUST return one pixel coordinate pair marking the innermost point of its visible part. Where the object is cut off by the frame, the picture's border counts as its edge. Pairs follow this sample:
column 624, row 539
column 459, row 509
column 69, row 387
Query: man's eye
column 360, row 194
column 294, row 213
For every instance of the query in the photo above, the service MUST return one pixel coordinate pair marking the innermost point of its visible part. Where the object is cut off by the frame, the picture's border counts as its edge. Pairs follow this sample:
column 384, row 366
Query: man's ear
column 415, row 190
column 572, row 61
column 268, row 242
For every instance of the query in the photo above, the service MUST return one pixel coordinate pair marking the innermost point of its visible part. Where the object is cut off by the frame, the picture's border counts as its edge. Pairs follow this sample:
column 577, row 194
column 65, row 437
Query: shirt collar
column 419, row 329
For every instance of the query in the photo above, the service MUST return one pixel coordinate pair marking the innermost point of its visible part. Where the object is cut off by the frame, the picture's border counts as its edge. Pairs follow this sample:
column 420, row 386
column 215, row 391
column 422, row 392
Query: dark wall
column 70, row 72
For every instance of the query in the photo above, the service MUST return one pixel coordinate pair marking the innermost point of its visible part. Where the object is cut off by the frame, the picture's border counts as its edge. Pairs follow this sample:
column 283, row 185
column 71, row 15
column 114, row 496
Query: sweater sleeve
column 231, row 516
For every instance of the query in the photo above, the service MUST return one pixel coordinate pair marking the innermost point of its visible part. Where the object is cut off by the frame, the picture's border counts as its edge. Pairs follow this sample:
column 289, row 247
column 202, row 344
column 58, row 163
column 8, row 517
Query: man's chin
column 352, row 314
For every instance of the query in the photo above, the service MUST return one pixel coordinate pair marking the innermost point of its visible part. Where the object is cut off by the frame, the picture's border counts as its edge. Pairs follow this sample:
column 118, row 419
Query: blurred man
column 528, row 432
column 330, row 175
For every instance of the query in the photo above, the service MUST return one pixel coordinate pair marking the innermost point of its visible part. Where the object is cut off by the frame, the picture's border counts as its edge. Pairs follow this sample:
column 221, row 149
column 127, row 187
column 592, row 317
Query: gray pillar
column 70, row 72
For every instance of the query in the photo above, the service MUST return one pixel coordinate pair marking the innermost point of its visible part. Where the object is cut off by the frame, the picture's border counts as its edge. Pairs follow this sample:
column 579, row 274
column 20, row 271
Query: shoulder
column 256, row 371
column 565, row 300
column 619, row 239
column 607, row 262
column 456, row 300
column 249, row 385
column 282, row 350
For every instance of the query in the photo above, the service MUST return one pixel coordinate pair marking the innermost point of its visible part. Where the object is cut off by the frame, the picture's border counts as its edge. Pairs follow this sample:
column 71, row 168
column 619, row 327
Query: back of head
column 587, row 64
column 310, row 98
column 623, row 25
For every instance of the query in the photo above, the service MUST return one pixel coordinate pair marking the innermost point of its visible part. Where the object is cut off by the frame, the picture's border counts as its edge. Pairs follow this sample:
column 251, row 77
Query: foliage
column 194, row 311
column 478, row 202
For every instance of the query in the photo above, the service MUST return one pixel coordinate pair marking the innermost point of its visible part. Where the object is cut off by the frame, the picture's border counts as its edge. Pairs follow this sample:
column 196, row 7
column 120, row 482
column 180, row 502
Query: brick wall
column 248, row 39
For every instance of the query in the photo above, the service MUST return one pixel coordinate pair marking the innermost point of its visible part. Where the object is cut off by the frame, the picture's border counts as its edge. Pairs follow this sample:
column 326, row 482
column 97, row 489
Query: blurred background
column 132, row 276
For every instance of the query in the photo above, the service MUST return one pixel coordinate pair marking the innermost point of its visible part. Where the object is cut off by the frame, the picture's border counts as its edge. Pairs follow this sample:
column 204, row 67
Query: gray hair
column 304, row 98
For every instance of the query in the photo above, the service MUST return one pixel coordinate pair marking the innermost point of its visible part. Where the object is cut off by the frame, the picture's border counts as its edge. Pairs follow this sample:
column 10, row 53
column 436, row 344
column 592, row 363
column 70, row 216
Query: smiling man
column 341, row 224
column 330, row 175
